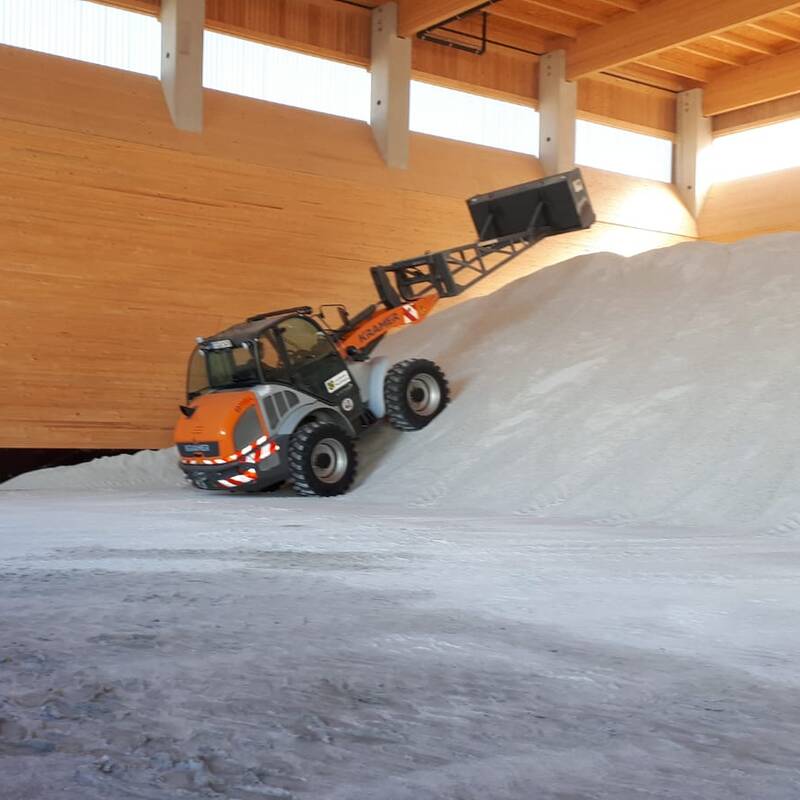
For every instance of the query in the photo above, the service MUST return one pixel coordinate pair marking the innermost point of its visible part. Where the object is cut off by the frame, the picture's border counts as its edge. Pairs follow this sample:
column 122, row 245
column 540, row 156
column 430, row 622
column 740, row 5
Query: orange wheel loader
column 283, row 396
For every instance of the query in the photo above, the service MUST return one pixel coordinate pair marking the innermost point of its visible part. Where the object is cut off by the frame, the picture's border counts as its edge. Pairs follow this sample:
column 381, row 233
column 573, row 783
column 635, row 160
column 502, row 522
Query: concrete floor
column 167, row 644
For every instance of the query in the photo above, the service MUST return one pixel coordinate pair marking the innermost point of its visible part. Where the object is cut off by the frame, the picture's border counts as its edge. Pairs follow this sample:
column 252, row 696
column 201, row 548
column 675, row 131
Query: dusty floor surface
column 165, row 644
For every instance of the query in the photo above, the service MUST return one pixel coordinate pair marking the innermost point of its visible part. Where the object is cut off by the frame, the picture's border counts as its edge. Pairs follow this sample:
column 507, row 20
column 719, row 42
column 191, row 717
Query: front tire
column 415, row 392
column 322, row 460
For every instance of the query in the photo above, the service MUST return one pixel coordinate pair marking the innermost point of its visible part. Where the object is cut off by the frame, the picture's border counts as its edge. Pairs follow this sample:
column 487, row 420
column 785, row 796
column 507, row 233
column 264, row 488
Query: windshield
column 221, row 369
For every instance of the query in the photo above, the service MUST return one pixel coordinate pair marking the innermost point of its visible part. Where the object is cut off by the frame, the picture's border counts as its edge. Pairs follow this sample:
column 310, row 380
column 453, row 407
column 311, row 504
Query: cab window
column 232, row 367
column 197, row 379
column 312, row 357
column 272, row 366
column 305, row 342
column 228, row 368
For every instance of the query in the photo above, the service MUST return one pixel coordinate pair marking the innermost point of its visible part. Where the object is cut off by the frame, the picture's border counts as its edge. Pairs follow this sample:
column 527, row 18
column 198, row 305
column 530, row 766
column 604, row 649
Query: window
column 768, row 148
column 617, row 150
column 197, row 379
column 272, row 366
column 316, row 365
column 226, row 368
column 256, row 70
column 471, row 118
column 83, row 31
column 304, row 342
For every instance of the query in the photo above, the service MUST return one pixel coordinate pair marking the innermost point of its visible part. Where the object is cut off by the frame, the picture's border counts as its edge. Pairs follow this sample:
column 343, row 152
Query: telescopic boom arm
column 508, row 221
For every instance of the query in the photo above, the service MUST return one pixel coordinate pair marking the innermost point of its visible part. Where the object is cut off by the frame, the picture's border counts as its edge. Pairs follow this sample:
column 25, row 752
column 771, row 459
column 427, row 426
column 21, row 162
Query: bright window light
column 615, row 150
column 768, row 148
column 471, row 118
column 83, row 31
column 238, row 66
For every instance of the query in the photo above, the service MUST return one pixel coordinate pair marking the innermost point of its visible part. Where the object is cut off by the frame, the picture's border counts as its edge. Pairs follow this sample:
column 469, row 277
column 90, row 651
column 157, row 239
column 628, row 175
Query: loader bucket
column 562, row 202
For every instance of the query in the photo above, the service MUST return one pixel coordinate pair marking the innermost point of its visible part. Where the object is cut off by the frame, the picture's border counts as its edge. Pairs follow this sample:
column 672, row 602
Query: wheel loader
column 284, row 395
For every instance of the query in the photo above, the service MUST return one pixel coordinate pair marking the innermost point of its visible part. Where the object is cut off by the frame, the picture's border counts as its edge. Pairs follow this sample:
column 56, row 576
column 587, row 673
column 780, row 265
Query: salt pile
column 148, row 469
column 661, row 387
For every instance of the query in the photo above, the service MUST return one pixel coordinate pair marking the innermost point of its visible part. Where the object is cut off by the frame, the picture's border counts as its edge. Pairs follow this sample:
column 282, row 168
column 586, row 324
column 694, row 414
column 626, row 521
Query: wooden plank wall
column 752, row 206
column 121, row 238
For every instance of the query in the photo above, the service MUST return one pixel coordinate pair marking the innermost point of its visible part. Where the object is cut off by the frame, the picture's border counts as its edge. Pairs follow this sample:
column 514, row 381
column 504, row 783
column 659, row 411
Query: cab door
column 316, row 366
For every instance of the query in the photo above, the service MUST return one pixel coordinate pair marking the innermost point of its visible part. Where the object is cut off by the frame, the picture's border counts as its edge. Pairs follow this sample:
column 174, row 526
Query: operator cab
column 276, row 347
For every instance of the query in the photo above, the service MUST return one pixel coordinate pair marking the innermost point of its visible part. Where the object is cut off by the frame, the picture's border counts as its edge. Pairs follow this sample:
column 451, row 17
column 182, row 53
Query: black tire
column 322, row 460
column 415, row 392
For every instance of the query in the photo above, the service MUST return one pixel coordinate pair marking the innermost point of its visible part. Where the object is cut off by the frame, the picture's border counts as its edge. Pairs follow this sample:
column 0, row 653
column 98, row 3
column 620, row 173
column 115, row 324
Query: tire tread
column 296, row 456
column 394, row 392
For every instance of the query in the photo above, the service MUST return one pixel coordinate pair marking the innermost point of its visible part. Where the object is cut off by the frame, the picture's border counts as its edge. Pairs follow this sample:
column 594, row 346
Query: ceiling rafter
column 623, row 5
column 746, row 44
column 677, row 66
column 660, row 26
column 569, row 10
column 776, row 29
column 702, row 49
column 759, row 82
column 528, row 14
column 649, row 76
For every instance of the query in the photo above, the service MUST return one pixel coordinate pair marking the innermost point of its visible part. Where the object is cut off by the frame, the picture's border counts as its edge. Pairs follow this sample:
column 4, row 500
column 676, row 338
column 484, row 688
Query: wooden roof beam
column 658, row 27
column 746, row 44
column 775, row 28
column 768, row 79
column 623, row 5
column 520, row 11
column 569, row 10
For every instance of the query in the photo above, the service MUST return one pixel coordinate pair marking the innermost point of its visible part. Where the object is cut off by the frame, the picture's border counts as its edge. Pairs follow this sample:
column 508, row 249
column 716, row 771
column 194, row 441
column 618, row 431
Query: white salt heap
column 148, row 469
column 662, row 387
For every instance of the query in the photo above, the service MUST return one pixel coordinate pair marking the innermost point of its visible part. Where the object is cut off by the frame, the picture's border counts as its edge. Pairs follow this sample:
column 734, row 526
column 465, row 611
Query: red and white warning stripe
column 410, row 314
column 248, row 476
column 251, row 455
column 239, row 454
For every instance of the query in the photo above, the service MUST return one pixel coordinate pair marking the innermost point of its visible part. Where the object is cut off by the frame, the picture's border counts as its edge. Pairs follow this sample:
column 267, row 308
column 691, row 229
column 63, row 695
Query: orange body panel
column 385, row 320
column 215, row 419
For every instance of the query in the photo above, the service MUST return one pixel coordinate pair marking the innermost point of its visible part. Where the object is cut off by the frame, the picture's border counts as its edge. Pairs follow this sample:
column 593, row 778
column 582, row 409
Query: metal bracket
column 429, row 36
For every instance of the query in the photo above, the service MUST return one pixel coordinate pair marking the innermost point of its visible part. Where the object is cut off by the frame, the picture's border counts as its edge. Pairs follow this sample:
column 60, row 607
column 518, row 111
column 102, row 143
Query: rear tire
column 415, row 392
column 322, row 460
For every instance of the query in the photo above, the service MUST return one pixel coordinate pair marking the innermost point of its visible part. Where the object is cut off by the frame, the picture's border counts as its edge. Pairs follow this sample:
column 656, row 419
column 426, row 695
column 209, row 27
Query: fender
column 378, row 368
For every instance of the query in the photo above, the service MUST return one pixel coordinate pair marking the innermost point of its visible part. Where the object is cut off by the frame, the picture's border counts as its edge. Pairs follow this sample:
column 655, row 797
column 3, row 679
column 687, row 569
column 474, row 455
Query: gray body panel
column 288, row 415
column 369, row 377
column 285, row 408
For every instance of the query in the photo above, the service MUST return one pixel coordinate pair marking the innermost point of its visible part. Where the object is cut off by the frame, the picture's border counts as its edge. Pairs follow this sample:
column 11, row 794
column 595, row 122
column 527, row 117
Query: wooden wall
column 121, row 239
column 752, row 206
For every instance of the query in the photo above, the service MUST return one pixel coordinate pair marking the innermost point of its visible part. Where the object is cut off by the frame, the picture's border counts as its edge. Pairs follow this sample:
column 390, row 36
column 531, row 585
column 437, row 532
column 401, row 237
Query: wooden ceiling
column 743, row 51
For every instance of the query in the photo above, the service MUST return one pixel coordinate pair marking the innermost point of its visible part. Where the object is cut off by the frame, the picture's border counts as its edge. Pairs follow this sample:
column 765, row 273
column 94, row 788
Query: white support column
column 692, row 151
column 391, row 80
column 558, row 103
column 182, row 23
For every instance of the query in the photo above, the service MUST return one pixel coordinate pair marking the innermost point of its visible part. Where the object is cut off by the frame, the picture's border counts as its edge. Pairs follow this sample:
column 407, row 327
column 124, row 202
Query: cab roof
column 253, row 327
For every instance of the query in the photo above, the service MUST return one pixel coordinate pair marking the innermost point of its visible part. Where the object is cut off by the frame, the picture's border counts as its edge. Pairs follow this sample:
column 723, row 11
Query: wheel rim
column 329, row 460
column 423, row 395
